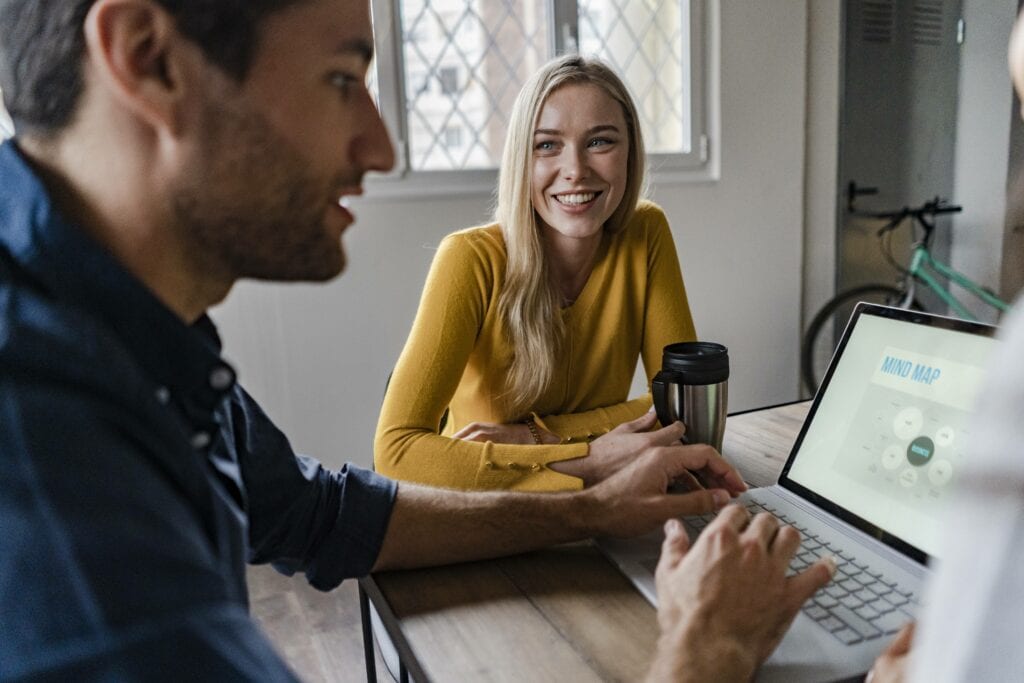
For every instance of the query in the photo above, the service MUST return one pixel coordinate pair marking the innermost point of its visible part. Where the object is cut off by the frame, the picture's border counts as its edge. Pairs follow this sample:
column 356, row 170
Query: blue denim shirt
column 138, row 477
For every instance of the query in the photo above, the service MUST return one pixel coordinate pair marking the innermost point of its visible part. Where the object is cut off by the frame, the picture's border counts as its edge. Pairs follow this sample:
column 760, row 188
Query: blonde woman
column 529, row 329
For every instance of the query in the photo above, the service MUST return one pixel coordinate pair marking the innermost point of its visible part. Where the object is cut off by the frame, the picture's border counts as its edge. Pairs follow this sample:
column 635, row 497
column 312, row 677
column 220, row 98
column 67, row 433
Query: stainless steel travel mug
column 693, row 387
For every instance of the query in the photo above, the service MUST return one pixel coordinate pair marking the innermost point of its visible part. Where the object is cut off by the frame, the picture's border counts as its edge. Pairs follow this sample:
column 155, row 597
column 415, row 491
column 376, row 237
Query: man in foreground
column 164, row 151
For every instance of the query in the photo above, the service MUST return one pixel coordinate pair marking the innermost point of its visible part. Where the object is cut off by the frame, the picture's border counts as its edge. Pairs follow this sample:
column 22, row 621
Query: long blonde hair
column 530, row 305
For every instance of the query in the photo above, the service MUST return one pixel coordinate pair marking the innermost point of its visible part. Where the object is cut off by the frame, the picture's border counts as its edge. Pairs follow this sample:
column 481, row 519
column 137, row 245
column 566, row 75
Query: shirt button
column 489, row 465
column 163, row 395
column 221, row 378
column 535, row 467
column 512, row 465
column 200, row 440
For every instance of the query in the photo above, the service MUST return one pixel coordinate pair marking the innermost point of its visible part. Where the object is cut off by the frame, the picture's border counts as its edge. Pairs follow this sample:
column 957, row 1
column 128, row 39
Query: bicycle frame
column 923, row 268
column 920, row 269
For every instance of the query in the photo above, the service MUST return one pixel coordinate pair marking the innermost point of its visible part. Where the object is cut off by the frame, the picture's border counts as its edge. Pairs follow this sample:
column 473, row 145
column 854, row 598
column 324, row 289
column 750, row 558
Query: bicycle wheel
column 822, row 335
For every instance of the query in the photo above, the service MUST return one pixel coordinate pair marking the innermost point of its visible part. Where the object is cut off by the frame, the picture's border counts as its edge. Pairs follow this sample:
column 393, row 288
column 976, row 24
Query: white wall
column 983, row 143
column 317, row 356
column 824, row 42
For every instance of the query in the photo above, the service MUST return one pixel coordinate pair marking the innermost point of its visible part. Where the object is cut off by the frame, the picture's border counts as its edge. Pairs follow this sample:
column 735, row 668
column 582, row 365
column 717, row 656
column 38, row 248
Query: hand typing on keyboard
column 863, row 603
column 725, row 603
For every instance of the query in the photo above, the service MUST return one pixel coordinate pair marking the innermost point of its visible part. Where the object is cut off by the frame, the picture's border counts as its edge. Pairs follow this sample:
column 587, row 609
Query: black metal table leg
column 364, row 612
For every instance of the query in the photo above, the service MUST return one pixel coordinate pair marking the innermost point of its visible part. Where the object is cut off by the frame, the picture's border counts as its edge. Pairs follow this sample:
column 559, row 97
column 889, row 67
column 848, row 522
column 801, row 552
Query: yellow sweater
column 458, row 353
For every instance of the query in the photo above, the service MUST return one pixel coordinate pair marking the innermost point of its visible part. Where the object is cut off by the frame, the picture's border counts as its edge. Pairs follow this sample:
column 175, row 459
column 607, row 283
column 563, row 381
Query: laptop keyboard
column 859, row 604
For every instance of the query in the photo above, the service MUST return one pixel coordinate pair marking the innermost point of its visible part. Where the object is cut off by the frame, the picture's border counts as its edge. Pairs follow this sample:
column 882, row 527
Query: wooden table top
column 563, row 614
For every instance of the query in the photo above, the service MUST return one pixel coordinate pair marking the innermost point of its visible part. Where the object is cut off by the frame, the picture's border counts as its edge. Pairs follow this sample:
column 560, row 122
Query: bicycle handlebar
column 930, row 208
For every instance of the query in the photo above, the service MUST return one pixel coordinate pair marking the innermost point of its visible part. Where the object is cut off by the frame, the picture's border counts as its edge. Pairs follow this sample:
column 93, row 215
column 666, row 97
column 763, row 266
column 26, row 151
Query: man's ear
column 136, row 54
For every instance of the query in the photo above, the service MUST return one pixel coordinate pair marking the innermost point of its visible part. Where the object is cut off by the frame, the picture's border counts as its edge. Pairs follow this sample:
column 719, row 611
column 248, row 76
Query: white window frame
column 699, row 165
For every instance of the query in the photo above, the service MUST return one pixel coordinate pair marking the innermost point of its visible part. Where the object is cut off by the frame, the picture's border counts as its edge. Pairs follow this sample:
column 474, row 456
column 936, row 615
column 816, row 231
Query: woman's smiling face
column 580, row 161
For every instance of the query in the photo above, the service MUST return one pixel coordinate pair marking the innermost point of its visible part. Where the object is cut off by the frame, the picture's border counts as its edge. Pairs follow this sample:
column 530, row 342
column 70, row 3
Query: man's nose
column 372, row 150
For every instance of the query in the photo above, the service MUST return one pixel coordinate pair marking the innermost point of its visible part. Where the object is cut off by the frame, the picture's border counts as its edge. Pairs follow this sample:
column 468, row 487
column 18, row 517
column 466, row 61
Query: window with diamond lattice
column 449, row 77
column 453, row 137
column 460, row 64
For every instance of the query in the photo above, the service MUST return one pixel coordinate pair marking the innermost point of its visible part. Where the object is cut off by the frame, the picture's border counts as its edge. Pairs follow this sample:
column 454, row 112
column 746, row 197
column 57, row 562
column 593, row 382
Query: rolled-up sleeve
column 351, row 544
column 303, row 517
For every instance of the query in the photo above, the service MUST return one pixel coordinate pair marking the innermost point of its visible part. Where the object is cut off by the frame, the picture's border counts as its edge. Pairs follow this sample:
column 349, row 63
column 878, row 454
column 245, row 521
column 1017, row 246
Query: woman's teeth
column 576, row 199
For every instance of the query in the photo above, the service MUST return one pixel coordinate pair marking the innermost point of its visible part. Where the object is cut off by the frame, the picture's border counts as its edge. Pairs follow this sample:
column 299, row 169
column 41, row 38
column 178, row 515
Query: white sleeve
column 972, row 625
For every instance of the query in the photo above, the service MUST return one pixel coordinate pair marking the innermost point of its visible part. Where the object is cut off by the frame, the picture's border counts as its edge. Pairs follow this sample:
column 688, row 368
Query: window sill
column 428, row 185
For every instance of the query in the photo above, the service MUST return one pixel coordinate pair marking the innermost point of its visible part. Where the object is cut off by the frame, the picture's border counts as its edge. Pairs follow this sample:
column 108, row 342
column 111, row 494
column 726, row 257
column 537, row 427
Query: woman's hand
column 516, row 433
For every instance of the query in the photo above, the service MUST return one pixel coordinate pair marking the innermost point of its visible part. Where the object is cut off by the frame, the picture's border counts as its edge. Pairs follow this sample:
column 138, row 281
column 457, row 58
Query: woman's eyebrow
column 591, row 131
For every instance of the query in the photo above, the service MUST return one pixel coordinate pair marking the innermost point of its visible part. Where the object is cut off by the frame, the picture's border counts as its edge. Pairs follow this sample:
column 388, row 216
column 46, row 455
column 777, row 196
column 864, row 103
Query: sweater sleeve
column 408, row 446
column 667, row 320
column 590, row 424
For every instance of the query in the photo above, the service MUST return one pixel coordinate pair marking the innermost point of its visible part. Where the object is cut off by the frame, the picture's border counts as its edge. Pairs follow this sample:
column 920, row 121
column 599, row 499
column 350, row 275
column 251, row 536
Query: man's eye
column 344, row 82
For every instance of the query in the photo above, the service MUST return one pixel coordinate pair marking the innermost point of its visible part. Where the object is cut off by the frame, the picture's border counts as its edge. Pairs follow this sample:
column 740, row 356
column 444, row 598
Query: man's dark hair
column 42, row 46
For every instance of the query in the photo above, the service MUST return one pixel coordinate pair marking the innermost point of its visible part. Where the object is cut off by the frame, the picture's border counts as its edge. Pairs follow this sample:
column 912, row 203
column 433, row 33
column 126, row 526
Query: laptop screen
column 888, row 432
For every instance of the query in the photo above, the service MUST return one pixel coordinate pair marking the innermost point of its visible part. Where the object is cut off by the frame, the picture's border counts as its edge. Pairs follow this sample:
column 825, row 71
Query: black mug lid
column 696, row 362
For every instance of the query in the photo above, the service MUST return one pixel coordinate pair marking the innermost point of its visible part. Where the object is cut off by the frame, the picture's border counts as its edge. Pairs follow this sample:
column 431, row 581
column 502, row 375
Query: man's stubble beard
column 248, row 209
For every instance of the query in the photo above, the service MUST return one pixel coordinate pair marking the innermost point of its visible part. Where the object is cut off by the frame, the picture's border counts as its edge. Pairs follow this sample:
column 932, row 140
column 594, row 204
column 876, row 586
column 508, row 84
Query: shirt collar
column 76, row 270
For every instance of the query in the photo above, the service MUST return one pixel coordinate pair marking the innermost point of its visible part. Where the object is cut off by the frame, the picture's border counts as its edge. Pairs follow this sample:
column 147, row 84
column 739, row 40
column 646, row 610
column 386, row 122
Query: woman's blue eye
column 597, row 142
column 545, row 146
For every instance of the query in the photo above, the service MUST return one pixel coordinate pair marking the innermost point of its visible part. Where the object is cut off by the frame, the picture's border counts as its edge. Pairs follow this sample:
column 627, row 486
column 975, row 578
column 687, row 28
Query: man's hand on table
column 613, row 451
column 623, row 445
column 635, row 499
column 725, row 603
column 437, row 526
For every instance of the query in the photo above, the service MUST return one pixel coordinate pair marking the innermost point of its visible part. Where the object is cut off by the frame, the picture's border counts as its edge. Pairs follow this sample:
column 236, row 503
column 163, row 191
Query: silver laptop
column 866, row 480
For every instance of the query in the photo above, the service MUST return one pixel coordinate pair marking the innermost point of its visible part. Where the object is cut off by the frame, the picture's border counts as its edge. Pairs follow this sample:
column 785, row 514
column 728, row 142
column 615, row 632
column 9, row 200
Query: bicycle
column 817, row 347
